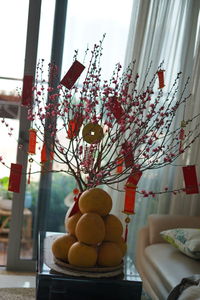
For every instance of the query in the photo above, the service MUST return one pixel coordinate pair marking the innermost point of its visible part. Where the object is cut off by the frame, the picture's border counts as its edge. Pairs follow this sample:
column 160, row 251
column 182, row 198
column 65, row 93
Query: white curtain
column 165, row 30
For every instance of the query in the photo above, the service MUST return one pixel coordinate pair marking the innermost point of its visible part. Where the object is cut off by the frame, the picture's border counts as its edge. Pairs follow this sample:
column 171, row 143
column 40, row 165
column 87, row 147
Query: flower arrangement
column 113, row 128
column 103, row 132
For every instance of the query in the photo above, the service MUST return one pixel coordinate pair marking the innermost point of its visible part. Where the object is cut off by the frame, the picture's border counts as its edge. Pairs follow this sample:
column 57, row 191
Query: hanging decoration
column 161, row 78
column 190, row 178
column 74, row 126
column 116, row 108
column 15, row 178
column 27, row 90
column 130, row 193
column 72, row 75
column 92, row 133
column 32, row 141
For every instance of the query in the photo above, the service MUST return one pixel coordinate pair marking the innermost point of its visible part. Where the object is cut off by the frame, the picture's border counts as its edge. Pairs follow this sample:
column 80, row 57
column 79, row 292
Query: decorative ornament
column 115, row 108
column 72, row 75
column 130, row 192
column 27, row 90
column 43, row 154
column 190, row 177
column 92, row 133
column 74, row 126
column 161, row 78
column 15, row 178
column 32, row 141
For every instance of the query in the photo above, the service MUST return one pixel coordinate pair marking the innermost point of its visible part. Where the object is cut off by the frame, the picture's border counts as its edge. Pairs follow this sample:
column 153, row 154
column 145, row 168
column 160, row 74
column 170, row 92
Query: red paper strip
column 43, row 154
column 129, row 203
column 72, row 75
column 74, row 126
column 190, row 177
column 27, row 90
column 161, row 79
column 128, row 155
column 115, row 108
column 32, row 141
column 15, row 178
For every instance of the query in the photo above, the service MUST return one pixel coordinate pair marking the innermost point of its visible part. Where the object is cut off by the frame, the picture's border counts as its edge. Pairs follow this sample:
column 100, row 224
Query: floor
column 16, row 280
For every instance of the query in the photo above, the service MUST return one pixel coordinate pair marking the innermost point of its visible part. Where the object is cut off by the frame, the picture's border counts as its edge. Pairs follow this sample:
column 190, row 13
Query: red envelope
column 15, row 178
column 190, row 177
column 27, row 90
column 72, row 75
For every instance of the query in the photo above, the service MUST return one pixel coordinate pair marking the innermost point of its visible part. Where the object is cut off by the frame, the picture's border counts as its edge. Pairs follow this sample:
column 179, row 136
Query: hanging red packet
column 27, row 90
column 72, row 75
column 74, row 126
column 43, row 154
column 15, row 178
column 32, row 141
column 129, row 202
column 128, row 155
column 190, row 177
column 130, row 192
column 161, row 79
column 116, row 109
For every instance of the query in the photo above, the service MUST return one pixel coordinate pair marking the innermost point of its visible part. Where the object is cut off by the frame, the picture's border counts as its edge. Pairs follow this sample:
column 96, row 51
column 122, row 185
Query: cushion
column 187, row 240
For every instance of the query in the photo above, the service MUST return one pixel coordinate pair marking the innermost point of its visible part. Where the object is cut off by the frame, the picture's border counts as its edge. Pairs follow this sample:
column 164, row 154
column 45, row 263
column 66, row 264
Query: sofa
column 161, row 265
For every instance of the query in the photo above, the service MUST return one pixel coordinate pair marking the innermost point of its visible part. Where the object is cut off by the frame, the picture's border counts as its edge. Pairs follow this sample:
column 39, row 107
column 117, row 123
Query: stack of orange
column 94, row 236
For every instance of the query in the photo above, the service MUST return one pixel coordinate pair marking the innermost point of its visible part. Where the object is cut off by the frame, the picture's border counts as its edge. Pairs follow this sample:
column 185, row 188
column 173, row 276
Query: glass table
column 52, row 285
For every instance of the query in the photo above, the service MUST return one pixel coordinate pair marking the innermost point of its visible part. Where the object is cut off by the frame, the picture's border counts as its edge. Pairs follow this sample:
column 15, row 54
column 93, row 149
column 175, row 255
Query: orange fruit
column 82, row 255
column 95, row 200
column 60, row 246
column 70, row 222
column 109, row 254
column 122, row 245
column 90, row 229
column 114, row 228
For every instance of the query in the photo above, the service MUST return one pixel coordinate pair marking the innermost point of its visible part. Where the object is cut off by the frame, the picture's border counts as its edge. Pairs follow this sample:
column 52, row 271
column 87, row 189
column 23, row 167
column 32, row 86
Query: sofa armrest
column 158, row 223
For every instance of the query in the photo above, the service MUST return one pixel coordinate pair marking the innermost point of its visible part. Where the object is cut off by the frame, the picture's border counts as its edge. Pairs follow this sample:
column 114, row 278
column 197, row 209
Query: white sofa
column 160, row 265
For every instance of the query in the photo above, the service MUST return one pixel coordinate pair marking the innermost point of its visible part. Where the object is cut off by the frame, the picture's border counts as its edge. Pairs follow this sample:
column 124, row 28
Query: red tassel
column 29, row 175
column 32, row 141
column 15, row 178
column 161, row 79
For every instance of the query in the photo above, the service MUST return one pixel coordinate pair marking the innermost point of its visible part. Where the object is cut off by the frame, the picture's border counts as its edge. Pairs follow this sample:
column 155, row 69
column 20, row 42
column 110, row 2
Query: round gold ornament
column 92, row 133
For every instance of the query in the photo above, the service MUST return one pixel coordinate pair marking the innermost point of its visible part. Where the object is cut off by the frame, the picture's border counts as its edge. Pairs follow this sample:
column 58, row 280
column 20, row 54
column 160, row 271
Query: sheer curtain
column 164, row 30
